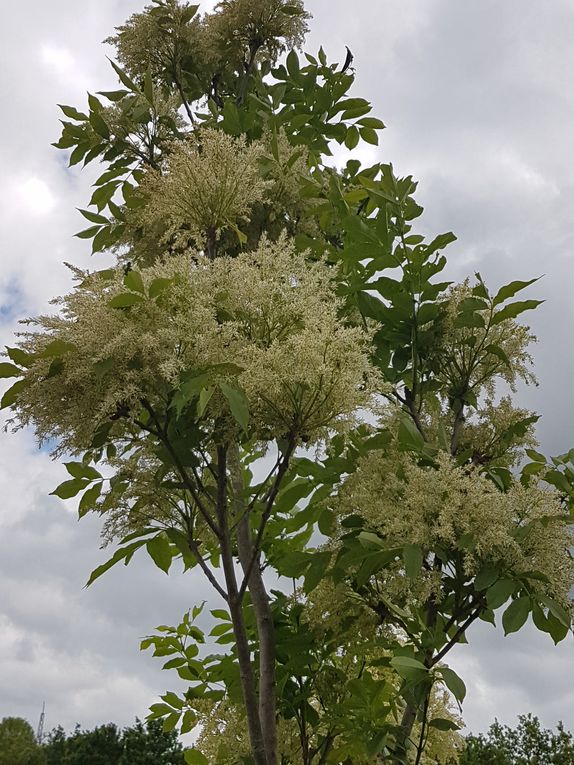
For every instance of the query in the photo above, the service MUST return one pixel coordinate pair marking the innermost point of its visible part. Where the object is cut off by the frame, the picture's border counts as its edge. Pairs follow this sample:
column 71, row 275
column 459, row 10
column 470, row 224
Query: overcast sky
column 477, row 101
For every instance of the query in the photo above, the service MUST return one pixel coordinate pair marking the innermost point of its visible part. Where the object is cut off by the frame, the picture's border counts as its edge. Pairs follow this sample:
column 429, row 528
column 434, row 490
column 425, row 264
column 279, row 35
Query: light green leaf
column 410, row 438
column 125, row 300
column 133, row 281
column 157, row 286
column 81, row 470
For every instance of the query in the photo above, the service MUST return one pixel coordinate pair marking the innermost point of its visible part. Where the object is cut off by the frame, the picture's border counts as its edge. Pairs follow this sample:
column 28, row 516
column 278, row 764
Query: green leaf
column 160, row 551
column 93, row 217
column 99, row 125
column 10, row 397
column 499, row 592
column 9, row 370
column 454, row 683
column 204, row 399
column 369, row 135
column 72, row 113
column 56, row 348
column 352, row 137
column 123, row 553
column 371, row 122
column 237, row 403
column 556, row 610
column 125, row 300
column 157, row 286
column 195, row 757
column 88, row 233
column 413, row 560
column 20, row 357
column 133, row 281
column 89, row 498
column 129, row 83
column 148, row 86
column 407, row 662
column 512, row 310
column 442, row 723
column 410, row 438
column 509, row 290
column 516, row 614
column 113, row 95
column 69, row 489
column 486, row 577
column 81, row 470
column 188, row 722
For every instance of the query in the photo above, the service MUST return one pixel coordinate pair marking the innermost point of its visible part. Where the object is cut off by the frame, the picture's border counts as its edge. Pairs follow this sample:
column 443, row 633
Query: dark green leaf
column 69, row 489
column 72, row 113
column 509, row 290
column 9, row 370
column 99, row 125
column 413, row 560
column 454, row 683
column 410, row 438
column 237, row 403
column 195, row 757
column 89, row 498
column 516, row 614
column 486, row 577
column 160, row 551
column 10, row 397
column 512, row 310
column 499, row 592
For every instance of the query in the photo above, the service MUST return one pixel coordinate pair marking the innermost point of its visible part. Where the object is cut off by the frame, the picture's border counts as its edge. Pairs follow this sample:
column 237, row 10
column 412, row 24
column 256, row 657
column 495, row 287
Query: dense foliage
column 526, row 744
column 273, row 378
column 104, row 745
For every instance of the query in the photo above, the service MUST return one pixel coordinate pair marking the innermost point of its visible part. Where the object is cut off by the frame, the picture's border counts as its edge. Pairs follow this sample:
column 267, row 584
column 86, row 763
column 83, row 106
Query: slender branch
column 181, row 469
column 456, row 637
column 193, row 546
column 283, row 465
column 184, row 100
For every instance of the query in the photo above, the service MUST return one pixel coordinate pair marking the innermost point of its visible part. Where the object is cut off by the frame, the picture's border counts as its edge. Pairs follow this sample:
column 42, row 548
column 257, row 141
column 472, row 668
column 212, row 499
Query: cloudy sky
column 477, row 103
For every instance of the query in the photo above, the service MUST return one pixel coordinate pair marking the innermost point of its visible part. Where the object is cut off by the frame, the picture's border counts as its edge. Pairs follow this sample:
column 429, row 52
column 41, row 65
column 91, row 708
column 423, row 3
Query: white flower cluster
column 267, row 320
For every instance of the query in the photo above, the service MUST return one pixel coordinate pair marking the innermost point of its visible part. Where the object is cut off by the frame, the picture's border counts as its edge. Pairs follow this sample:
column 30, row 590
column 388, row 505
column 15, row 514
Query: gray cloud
column 478, row 108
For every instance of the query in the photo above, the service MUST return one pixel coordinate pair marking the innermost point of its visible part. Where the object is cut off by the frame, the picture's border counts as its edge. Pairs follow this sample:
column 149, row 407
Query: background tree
column 138, row 744
column 526, row 744
column 18, row 744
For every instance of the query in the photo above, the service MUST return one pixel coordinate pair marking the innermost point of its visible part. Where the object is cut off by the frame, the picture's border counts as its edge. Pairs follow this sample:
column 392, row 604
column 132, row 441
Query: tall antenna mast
column 40, row 732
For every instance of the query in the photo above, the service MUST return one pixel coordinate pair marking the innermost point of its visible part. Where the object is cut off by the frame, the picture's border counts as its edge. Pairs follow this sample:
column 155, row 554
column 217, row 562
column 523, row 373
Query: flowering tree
column 263, row 303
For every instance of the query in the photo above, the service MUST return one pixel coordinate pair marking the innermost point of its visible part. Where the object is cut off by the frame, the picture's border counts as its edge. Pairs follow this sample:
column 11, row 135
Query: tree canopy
column 274, row 387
